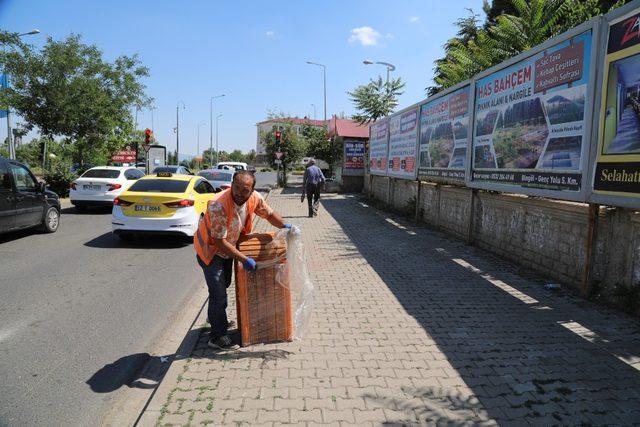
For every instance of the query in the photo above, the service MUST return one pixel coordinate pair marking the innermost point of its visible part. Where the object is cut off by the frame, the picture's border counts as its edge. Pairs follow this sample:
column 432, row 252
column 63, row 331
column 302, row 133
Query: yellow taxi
column 163, row 203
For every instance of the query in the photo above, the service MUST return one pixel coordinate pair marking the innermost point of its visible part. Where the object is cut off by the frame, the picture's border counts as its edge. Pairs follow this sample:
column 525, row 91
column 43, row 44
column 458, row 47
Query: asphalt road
column 79, row 314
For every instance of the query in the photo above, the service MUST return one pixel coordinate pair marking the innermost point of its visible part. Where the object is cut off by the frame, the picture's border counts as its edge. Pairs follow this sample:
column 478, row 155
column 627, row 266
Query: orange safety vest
column 202, row 240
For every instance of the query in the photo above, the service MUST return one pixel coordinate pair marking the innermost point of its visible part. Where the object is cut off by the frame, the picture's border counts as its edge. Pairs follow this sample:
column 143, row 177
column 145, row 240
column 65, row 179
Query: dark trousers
column 218, row 278
column 313, row 197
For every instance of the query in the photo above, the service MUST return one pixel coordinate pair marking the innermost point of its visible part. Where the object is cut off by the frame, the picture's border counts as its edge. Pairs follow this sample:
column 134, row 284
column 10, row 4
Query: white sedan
column 100, row 185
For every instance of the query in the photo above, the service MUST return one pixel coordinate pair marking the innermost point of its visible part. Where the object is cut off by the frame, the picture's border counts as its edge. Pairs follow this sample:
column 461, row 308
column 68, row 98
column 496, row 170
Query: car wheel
column 51, row 220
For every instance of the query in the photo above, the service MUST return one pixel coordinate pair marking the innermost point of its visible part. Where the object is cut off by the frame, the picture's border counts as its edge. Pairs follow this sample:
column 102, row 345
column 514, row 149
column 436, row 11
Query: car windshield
column 159, row 186
column 165, row 169
column 217, row 176
column 101, row 173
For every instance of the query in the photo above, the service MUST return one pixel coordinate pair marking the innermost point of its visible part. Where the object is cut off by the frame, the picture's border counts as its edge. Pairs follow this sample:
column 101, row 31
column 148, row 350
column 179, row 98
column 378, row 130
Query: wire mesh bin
column 263, row 297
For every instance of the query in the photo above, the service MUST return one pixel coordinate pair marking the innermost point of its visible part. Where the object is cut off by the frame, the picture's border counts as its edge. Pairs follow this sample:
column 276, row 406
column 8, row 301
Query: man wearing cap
column 312, row 182
column 228, row 216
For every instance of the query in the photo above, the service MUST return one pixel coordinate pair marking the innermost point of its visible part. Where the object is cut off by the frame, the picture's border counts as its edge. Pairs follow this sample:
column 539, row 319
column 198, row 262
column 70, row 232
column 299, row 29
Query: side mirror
column 42, row 186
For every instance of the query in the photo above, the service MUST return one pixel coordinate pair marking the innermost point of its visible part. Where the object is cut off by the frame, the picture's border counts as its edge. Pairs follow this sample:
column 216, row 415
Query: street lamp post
column 390, row 67
column 199, row 126
column 211, row 126
column 324, row 81
column 10, row 141
column 314, row 111
column 217, row 147
column 152, row 129
column 178, row 130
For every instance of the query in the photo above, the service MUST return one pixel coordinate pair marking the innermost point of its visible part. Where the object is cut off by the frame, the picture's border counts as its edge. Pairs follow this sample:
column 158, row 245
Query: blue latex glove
column 249, row 264
column 288, row 226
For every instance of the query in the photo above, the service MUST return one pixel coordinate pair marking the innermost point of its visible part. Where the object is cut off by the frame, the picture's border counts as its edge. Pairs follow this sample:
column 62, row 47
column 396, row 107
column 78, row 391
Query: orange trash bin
column 263, row 297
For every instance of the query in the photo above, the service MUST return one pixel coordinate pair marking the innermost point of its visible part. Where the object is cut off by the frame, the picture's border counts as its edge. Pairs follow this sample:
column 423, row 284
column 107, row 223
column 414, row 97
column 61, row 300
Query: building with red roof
column 351, row 139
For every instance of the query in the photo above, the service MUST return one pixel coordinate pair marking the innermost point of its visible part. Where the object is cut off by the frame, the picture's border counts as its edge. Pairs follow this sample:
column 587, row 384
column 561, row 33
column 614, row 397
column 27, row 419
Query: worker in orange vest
column 228, row 216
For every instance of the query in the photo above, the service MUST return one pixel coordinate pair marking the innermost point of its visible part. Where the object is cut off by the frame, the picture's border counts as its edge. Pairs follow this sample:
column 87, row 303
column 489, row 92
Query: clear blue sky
column 254, row 52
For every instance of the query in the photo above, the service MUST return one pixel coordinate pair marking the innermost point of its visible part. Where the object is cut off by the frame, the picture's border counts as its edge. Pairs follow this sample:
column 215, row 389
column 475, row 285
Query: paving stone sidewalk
column 410, row 327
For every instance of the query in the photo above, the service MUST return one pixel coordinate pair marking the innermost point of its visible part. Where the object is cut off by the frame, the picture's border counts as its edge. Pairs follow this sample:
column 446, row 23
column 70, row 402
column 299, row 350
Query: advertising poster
column 530, row 125
column 353, row 163
column 128, row 155
column 443, row 136
column 617, row 171
column 378, row 147
column 403, row 144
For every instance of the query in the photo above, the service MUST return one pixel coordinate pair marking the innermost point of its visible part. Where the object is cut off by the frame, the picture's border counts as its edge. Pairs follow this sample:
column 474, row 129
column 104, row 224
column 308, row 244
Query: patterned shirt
column 219, row 220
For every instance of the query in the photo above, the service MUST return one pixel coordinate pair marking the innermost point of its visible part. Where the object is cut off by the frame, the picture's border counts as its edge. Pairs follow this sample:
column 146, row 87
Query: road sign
column 146, row 147
column 278, row 162
column 279, row 154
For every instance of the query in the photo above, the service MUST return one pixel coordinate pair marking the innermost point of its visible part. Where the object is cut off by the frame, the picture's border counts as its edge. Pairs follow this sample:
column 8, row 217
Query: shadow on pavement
column 524, row 352
column 111, row 241
column 141, row 370
column 71, row 210
column 17, row 235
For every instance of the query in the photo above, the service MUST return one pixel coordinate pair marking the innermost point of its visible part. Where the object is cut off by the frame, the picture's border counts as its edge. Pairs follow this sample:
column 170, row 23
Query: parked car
column 219, row 179
column 174, row 169
column 238, row 166
column 164, row 203
column 25, row 203
column 100, row 185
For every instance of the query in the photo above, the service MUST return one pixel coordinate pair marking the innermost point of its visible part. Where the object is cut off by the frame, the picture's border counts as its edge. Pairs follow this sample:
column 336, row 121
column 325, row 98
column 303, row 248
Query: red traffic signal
column 278, row 135
column 147, row 135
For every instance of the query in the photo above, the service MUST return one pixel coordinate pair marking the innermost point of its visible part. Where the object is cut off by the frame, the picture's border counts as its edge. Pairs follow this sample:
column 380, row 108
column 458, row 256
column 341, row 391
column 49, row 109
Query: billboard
column 403, row 144
column 127, row 155
column 353, row 163
column 378, row 147
column 616, row 178
column 531, row 129
column 444, row 124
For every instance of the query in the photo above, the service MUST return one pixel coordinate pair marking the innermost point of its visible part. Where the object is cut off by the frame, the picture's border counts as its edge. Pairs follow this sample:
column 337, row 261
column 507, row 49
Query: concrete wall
column 544, row 235
column 548, row 236
column 404, row 195
column 379, row 188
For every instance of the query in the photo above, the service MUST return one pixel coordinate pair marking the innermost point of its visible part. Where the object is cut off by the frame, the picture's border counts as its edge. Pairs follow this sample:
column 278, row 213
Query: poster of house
column 443, row 137
column 529, row 126
column 403, row 144
column 617, row 171
column 378, row 147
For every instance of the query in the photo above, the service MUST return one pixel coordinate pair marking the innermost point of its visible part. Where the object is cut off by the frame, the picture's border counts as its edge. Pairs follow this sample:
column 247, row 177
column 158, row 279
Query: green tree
column 376, row 99
column 250, row 157
column 67, row 89
column 236, row 156
column 319, row 145
column 292, row 145
column 510, row 27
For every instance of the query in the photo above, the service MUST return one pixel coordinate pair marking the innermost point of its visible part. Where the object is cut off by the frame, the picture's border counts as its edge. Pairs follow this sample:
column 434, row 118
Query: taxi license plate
column 91, row 187
column 145, row 208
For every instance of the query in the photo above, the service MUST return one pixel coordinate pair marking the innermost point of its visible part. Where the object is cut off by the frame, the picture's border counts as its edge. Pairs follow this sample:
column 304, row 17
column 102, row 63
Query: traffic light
column 278, row 136
column 147, row 135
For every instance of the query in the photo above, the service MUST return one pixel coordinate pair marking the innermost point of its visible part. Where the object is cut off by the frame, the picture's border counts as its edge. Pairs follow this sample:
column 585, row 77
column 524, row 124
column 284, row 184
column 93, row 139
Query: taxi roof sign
column 164, row 174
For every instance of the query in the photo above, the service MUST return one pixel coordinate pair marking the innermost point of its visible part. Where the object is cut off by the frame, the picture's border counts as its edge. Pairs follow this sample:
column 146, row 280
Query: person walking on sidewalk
column 228, row 216
column 311, row 184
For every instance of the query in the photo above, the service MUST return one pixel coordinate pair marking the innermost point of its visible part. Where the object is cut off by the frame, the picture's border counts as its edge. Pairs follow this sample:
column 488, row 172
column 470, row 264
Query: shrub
column 58, row 179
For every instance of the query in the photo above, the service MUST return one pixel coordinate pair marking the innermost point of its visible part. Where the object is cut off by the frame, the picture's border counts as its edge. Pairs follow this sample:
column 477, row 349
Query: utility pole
column 211, row 126
column 178, row 130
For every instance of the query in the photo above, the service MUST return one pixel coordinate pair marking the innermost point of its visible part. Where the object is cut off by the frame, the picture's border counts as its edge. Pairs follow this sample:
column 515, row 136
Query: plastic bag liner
column 274, row 303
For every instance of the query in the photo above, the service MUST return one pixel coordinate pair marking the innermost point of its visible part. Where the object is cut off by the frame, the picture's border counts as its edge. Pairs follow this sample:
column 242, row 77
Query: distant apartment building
column 266, row 126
